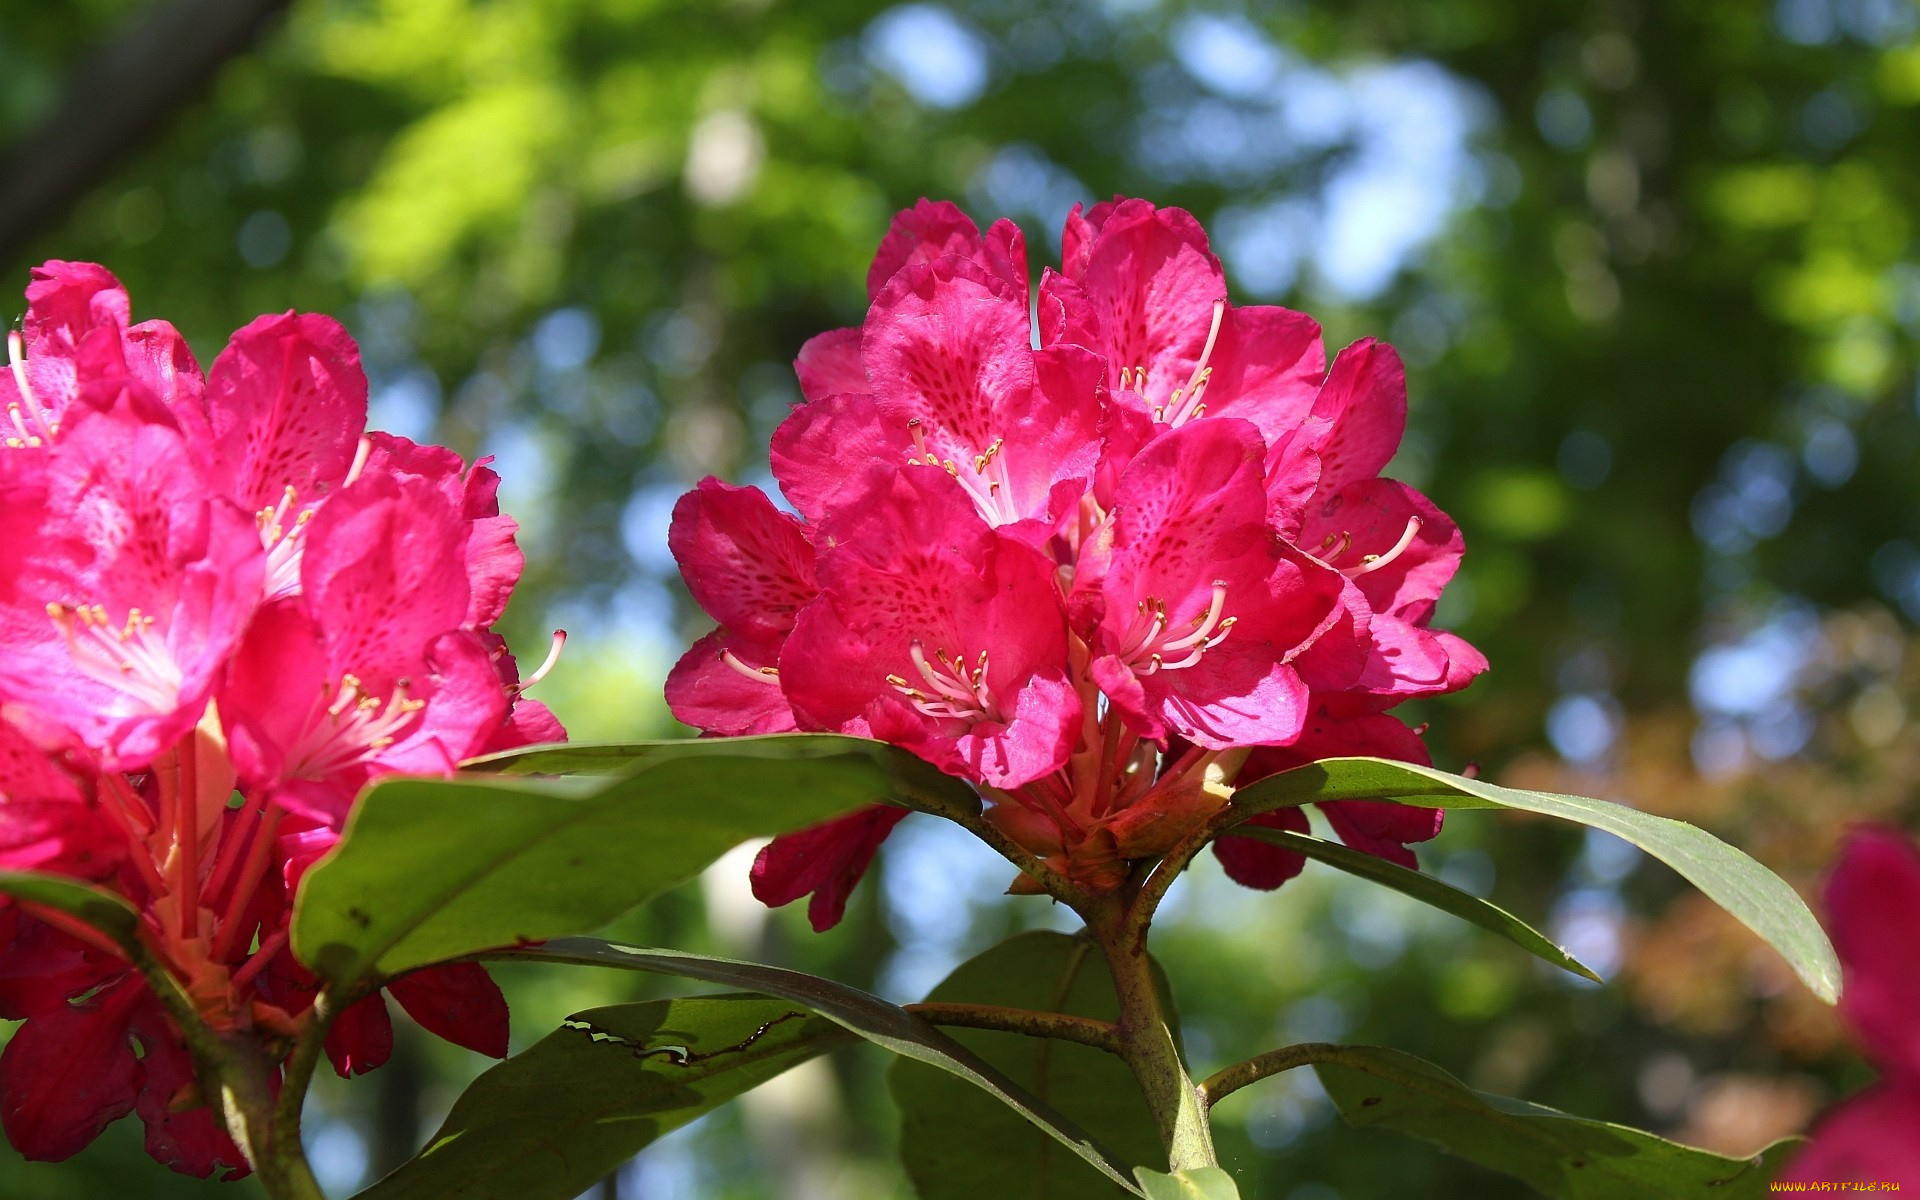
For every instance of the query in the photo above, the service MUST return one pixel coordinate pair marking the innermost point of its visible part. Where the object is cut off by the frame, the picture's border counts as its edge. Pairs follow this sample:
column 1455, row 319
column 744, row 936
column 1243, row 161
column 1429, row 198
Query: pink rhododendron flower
column 1873, row 903
column 1099, row 580
column 211, row 587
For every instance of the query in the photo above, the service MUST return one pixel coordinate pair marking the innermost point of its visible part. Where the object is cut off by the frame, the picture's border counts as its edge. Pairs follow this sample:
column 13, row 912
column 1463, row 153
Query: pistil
column 32, row 424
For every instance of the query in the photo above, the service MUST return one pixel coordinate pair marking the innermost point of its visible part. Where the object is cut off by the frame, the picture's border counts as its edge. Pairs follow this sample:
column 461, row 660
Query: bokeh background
column 1653, row 269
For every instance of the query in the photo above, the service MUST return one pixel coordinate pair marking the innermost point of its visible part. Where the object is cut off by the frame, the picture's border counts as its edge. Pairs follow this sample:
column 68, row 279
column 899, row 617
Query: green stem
column 1228, row 1080
column 1147, row 1045
column 235, row 1077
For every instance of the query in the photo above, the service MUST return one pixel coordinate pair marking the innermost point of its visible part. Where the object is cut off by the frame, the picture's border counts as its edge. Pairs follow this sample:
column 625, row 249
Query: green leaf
column 917, row 783
column 567, row 1111
column 944, row 1124
column 104, row 911
column 1761, row 900
column 884, row 1024
column 431, row 869
column 1564, row 1157
column 1200, row 1183
column 1424, row 888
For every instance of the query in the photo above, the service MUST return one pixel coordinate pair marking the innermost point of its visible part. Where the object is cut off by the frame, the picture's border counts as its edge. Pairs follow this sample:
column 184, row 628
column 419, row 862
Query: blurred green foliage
column 1652, row 266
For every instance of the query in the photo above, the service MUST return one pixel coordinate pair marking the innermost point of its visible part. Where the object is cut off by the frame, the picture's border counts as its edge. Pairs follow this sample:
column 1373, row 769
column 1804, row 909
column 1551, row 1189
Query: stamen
column 952, row 691
column 553, row 657
column 345, row 726
column 132, row 659
column 1147, row 648
column 1197, row 382
column 360, row 455
column 32, row 424
column 1373, row 562
column 757, row 674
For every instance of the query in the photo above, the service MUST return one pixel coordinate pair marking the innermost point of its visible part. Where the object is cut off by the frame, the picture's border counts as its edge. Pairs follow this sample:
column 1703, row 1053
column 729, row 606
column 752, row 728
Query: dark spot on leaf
column 359, row 917
column 1370, row 1101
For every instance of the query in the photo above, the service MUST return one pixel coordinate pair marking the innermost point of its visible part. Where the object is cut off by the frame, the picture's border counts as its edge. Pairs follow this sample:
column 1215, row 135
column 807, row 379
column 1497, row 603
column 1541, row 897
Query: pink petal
column 125, row 522
column 1873, row 904
column 826, row 860
column 914, row 564
column 823, row 448
column 459, row 1002
column 42, row 967
column 361, row 1039
column 68, row 1074
column 829, row 364
column 1364, row 403
column 1151, row 284
column 1267, row 365
column 1258, row 864
column 749, row 565
column 705, row 692
column 1191, row 515
column 287, row 402
column 385, row 564
column 934, row 229
column 1873, row 1137
column 192, row 1141
column 1371, row 517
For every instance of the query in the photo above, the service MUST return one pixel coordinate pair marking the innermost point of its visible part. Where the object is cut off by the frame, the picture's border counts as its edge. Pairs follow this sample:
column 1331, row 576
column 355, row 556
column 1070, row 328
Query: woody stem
column 236, row 1079
column 1146, row 1041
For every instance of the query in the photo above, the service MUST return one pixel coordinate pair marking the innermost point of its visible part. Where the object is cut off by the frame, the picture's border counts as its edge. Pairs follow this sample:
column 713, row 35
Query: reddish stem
column 261, row 957
column 119, row 807
column 258, row 857
column 73, row 927
column 186, row 835
column 238, row 837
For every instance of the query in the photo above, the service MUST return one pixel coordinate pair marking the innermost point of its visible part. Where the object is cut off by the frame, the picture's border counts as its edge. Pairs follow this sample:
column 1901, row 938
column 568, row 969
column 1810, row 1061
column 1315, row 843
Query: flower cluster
column 1099, row 548
column 225, row 607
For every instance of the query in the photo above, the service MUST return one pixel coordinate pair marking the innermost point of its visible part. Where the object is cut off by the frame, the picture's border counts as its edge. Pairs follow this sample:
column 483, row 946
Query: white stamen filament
column 757, row 674
column 360, row 456
column 131, row 658
column 1373, row 562
column 32, row 424
column 1185, row 403
column 284, row 542
column 957, row 691
column 1146, row 647
column 988, row 485
column 548, row 663
column 345, row 726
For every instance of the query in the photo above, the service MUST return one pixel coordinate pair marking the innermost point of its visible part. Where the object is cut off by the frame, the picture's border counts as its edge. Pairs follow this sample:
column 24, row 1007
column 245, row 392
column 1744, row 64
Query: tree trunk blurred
column 126, row 91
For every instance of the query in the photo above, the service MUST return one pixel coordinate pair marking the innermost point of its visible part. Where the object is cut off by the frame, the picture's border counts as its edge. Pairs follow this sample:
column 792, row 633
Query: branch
column 124, row 93
column 1101, row 1035
column 1228, row 1080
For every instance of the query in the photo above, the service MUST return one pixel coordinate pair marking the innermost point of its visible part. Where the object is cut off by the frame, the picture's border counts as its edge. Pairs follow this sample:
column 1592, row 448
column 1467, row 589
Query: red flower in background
column 1093, row 578
column 1873, row 906
column 227, row 608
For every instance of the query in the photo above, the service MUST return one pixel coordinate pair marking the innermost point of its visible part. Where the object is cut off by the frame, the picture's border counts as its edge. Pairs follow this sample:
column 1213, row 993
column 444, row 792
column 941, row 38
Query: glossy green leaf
column 944, row 1124
column 1761, row 900
column 1564, row 1157
column 431, row 869
column 570, row 1109
column 917, row 783
column 869, row 1016
column 103, row 910
column 1200, row 1183
column 1424, row 888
